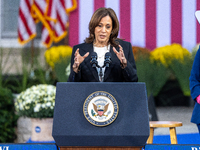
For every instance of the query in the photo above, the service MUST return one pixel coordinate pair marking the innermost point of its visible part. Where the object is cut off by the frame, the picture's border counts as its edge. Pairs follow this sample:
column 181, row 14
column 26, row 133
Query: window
column 9, row 13
column 9, row 18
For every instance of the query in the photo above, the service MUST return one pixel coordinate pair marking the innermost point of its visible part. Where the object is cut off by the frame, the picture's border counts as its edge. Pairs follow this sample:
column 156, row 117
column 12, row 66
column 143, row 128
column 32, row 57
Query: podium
column 127, row 129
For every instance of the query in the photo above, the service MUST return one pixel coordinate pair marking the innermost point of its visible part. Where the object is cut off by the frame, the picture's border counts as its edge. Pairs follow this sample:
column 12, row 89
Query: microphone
column 94, row 59
column 107, row 60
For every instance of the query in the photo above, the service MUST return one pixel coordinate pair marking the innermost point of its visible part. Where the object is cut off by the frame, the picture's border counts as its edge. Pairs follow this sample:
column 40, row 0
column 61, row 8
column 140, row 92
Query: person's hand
column 78, row 59
column 121, row 56
column 198, row 99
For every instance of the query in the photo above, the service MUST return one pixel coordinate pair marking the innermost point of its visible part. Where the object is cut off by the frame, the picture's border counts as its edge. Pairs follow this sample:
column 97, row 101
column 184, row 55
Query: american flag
column 26, row 24
column 52, row 13
column 144, row 23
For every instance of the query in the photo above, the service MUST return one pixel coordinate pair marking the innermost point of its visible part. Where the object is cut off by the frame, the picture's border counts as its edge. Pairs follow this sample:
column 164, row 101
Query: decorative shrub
column 194, row 50
column 8, row 119
column 181, row 70
column 153, row 74
column 56, row 53
column 163, row 63
column 139, row 52
column 36, row 102
column 178, row 60
column 59, row 57
column 168, row 53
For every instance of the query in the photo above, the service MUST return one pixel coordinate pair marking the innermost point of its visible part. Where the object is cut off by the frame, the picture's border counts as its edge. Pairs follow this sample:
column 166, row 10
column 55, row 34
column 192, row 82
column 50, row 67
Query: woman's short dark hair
column 95, row 20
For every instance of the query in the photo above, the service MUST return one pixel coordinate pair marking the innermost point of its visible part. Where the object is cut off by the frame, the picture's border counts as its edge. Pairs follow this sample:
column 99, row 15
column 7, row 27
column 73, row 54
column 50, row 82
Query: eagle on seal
column 100, row 112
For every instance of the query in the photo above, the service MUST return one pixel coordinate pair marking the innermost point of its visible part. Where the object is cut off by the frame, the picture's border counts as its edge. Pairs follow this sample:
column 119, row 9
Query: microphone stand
column 101, row 73
column 95, row 63
column 107, row 62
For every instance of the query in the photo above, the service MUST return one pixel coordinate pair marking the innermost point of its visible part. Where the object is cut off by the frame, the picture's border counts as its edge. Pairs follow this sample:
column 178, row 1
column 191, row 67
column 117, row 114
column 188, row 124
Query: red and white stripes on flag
column 54, row 16
column 40, row 9
column 56, row 13
column 144, row 23
column 26, row 24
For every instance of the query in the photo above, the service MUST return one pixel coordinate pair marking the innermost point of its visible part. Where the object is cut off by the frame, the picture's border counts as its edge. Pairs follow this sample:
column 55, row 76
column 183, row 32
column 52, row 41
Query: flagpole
column 32, row 53
column 66, row 39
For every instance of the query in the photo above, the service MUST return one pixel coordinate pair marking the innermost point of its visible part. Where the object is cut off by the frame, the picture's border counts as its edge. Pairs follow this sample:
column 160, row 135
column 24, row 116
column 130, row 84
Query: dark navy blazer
column 113, row 73
column 195, row 87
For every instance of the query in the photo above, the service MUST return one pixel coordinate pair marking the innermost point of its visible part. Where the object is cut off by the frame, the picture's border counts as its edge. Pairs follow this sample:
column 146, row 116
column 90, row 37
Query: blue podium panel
column 71, row 128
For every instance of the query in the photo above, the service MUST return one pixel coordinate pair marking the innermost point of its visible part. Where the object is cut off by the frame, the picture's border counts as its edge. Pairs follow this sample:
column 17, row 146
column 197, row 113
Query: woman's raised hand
column 121, row 56
column 78, row 59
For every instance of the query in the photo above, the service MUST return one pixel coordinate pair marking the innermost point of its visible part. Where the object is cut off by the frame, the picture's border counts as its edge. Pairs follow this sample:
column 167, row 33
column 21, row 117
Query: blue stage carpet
column 193, row 138
column 30, row 141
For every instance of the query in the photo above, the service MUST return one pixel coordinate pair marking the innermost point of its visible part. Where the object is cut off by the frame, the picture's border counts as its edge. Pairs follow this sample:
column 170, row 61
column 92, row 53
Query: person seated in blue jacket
column 103, row 32
column 195, row 89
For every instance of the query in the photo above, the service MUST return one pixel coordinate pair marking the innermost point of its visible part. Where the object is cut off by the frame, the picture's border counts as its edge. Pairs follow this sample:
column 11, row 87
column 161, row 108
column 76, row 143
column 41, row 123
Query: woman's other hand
column 78, row 59
column 121, row 56
column 198, row 99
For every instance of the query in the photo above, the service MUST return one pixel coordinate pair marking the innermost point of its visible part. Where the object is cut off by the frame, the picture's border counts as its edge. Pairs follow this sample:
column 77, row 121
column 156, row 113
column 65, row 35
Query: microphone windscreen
column 108, row 54
column 94, row 54
column 94, row 59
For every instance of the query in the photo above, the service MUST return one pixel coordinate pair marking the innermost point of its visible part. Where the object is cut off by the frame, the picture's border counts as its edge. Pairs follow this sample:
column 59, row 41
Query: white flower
column 67, row 70
column 38, row 98
column 20, row 107
column 48, row 104
column 27, row 107
column 43, row 105
column 37, row 108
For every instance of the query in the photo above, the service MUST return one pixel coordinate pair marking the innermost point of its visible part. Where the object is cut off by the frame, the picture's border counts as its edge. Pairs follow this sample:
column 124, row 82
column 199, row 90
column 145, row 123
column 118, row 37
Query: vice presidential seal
column 100, row 108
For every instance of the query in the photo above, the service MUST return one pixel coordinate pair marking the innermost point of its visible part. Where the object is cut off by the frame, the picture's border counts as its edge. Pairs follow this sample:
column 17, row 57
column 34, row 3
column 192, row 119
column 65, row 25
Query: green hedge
column 8, row 119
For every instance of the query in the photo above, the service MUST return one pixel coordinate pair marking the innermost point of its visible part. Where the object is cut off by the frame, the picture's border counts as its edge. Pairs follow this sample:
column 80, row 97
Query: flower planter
column 42, row 129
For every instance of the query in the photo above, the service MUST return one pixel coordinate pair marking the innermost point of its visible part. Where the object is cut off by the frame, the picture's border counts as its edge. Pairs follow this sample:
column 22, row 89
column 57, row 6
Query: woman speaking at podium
column 103, row 57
